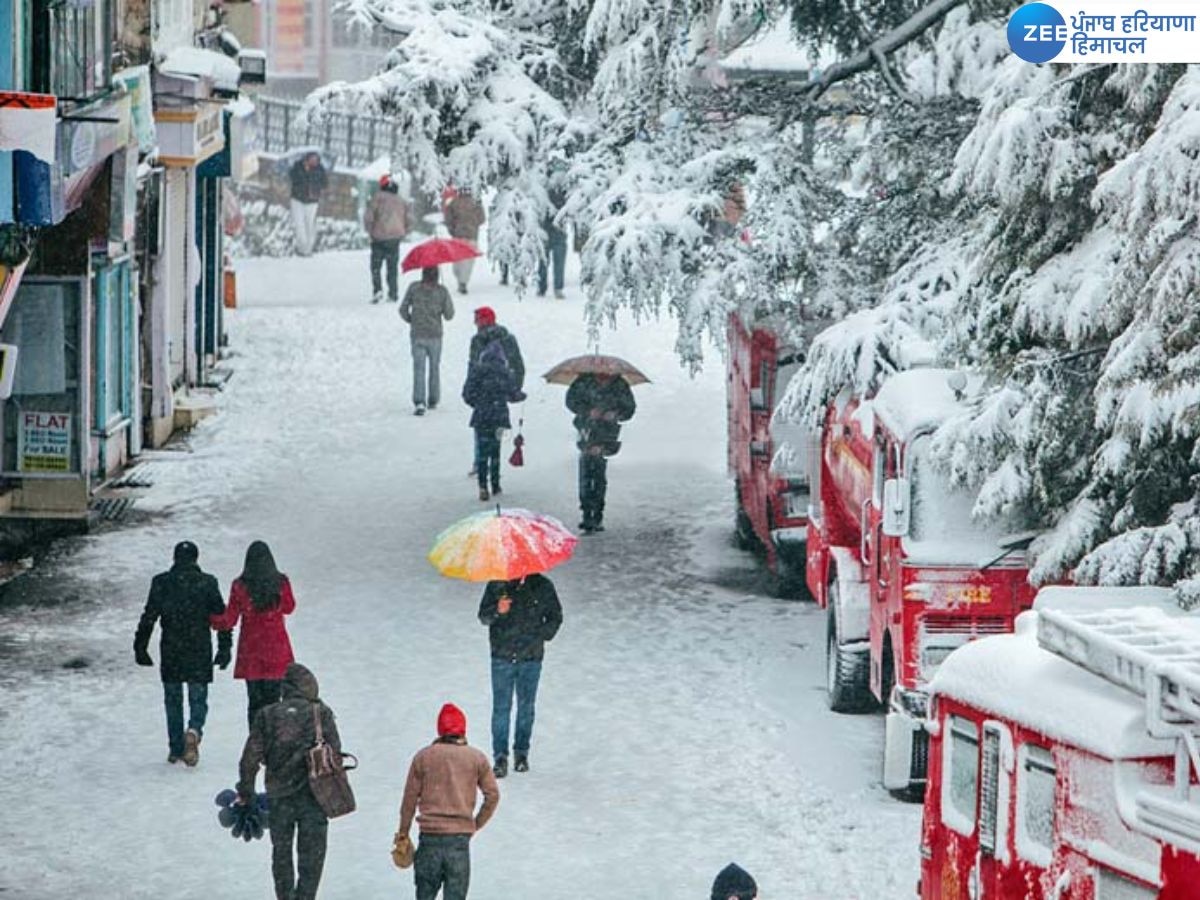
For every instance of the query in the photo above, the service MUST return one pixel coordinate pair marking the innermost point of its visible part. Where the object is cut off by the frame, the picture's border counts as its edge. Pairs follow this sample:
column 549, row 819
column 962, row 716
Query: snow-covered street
column 681, row 717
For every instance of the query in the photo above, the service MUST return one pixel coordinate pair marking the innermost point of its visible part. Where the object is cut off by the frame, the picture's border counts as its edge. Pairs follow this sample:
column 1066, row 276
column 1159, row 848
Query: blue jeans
column 426, row 356
column 509, row 677
column 197, row 692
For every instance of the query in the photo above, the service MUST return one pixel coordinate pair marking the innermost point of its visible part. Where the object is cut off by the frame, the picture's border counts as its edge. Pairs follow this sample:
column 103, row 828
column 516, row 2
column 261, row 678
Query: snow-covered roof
column 775, row 49
column 920, row 399
column 223, row 71
column 1010, row 676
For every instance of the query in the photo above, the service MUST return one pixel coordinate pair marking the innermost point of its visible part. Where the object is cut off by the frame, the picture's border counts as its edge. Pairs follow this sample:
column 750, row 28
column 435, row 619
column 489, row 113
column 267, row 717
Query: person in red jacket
column 260, row 597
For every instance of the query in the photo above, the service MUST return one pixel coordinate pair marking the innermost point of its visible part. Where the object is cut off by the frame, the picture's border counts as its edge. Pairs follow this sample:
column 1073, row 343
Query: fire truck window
column 960, row 775
column 1111, row 886
column 1035, row 804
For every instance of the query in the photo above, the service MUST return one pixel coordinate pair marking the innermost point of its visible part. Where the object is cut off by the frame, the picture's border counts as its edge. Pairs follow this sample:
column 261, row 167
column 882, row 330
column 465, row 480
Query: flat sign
column 44, row 442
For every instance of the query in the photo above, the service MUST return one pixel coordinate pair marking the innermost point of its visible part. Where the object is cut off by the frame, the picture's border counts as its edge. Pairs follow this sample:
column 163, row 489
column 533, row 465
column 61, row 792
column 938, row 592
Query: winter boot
column 483, row 494
column 191, row 748
column 495, row 489
column 172, row 759
column 500, row 769
column 585, row 524
column 419, row 410
column 598, row 521
column 377, row 297
column 559, row 295
column 521, row 764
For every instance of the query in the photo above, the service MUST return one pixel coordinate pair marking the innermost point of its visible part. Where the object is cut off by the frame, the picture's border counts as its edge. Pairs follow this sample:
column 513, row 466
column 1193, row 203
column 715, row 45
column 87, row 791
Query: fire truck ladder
column 1158, row 658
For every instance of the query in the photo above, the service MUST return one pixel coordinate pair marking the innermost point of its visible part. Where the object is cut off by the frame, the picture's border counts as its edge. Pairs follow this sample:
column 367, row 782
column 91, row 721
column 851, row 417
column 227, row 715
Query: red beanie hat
column 485, row 315
column 452, row 721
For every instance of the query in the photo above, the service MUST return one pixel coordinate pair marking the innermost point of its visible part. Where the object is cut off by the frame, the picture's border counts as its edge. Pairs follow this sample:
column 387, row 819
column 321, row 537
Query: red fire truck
column 894, row 555
column 1064, row 759
column 769, row 461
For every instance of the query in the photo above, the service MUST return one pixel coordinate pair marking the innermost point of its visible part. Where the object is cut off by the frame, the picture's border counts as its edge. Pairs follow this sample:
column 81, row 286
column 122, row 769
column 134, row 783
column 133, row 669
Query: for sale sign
column 44, row 442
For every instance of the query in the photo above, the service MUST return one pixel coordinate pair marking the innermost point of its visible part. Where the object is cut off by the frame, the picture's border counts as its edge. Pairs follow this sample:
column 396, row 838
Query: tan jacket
column 443, row 781
column 386, row 218
column 464, row 216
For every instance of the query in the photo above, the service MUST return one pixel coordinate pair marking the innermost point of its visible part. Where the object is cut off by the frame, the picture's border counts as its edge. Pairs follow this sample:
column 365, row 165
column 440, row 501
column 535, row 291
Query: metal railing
column 351, row 140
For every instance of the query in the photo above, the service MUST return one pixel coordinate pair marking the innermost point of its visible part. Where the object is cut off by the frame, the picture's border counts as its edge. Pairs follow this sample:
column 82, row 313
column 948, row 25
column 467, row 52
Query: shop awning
column 28, row 122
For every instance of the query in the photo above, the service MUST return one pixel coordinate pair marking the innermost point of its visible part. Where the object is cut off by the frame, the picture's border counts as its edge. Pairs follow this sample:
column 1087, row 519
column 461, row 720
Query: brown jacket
column 386, row 217
column 442, row 783
column 464, row 215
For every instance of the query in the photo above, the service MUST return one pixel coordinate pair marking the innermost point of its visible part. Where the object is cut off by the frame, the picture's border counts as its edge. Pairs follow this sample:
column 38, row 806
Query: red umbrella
column 436, row 251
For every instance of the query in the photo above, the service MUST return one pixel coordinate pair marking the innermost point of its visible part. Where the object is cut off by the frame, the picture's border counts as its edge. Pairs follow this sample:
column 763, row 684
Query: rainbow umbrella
column 501, row 545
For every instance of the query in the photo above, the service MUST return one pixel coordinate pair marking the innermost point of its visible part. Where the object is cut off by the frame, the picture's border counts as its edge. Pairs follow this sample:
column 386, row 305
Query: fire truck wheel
column 847, row 670
column 743, row 529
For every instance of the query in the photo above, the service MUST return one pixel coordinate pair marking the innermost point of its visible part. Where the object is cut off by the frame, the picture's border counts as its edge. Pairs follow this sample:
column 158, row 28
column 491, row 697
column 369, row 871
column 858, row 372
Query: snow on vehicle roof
column 919, row 399
column 1012, row 677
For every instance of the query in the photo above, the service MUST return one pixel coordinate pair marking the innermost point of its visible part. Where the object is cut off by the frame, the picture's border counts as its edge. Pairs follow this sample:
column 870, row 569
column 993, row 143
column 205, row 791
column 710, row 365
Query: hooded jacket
column 535, row 617
column 487, row 390
column 183, row 600
column 512, row 350
column 734, row 883
column 282, row 735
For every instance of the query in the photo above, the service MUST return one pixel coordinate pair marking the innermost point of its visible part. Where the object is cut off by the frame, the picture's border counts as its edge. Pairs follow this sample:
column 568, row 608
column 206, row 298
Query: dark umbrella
column 595, row 364
column 436, row 251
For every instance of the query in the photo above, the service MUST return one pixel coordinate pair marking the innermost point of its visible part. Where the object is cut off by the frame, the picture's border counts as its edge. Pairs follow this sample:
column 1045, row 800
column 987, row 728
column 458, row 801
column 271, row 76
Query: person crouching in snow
column 260, row 597
column 600, row 404
column 443, row 781
column 734, row 883
column 280, row 739
column 489, row 385
column 183, row 599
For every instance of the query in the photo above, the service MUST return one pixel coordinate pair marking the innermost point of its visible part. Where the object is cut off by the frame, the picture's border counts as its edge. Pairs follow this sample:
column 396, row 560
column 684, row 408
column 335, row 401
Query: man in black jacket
column 600, row 403
column 183, row 599
column 521, row 616
column 308, row 179
column 280, row 737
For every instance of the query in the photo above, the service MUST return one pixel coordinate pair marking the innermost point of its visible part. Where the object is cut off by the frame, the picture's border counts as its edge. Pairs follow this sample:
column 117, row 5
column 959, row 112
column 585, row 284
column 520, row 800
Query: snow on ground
column 681, row 718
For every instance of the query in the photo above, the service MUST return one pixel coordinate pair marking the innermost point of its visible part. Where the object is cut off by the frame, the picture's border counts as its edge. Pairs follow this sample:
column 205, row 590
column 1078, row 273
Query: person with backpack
column 443, row 782
column 260, row 598
column 386, row 222
column 182, row 600
column 280, row 737
column 488, row 388
column 488, row 332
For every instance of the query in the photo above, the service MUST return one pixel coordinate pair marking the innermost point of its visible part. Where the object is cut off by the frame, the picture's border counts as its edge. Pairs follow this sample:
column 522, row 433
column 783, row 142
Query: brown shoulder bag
column 327, row 774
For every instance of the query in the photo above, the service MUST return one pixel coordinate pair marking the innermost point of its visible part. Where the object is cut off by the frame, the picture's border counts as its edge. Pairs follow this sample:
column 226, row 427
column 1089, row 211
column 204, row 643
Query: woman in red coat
column 261, row 596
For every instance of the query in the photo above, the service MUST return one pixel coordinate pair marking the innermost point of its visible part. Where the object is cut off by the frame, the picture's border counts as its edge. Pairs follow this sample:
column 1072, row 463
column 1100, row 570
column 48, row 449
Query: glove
column 143, row 658
column 222, row 658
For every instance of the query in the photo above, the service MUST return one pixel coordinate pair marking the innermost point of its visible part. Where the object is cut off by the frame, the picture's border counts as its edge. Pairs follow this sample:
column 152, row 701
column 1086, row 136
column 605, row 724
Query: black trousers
column 593, row 484
column 385, row 253
column 297, row 818
column 487, row 457
column 260, row 694
column 442, row 862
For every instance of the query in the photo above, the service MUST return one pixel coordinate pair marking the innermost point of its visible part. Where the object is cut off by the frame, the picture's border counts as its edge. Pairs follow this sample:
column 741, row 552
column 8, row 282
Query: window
column 960, row 775
column 72, row 47
column 989, row 792
column 1111, row 886
column 1035, row 804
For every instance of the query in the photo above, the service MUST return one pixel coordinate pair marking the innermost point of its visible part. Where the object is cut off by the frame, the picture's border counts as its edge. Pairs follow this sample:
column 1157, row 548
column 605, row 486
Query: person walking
column 464, row 216
column 600, row 403
column 386, row 222
column 732, row 883
column 521, row 615
column 487, row 390
column 487, row 332
column 183, row 599
column 308, row 179
column 260, row 598
column 556, row 239
column 443, row 782
column 280, row 737
column 426, row 304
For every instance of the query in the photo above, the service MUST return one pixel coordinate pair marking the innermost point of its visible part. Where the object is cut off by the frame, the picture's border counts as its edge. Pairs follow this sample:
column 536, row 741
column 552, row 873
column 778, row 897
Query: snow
column 1081, row 599
column 681, row 717
column 224, row 71
column 1007, row 676
column 920, row 399
column 776, row 49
